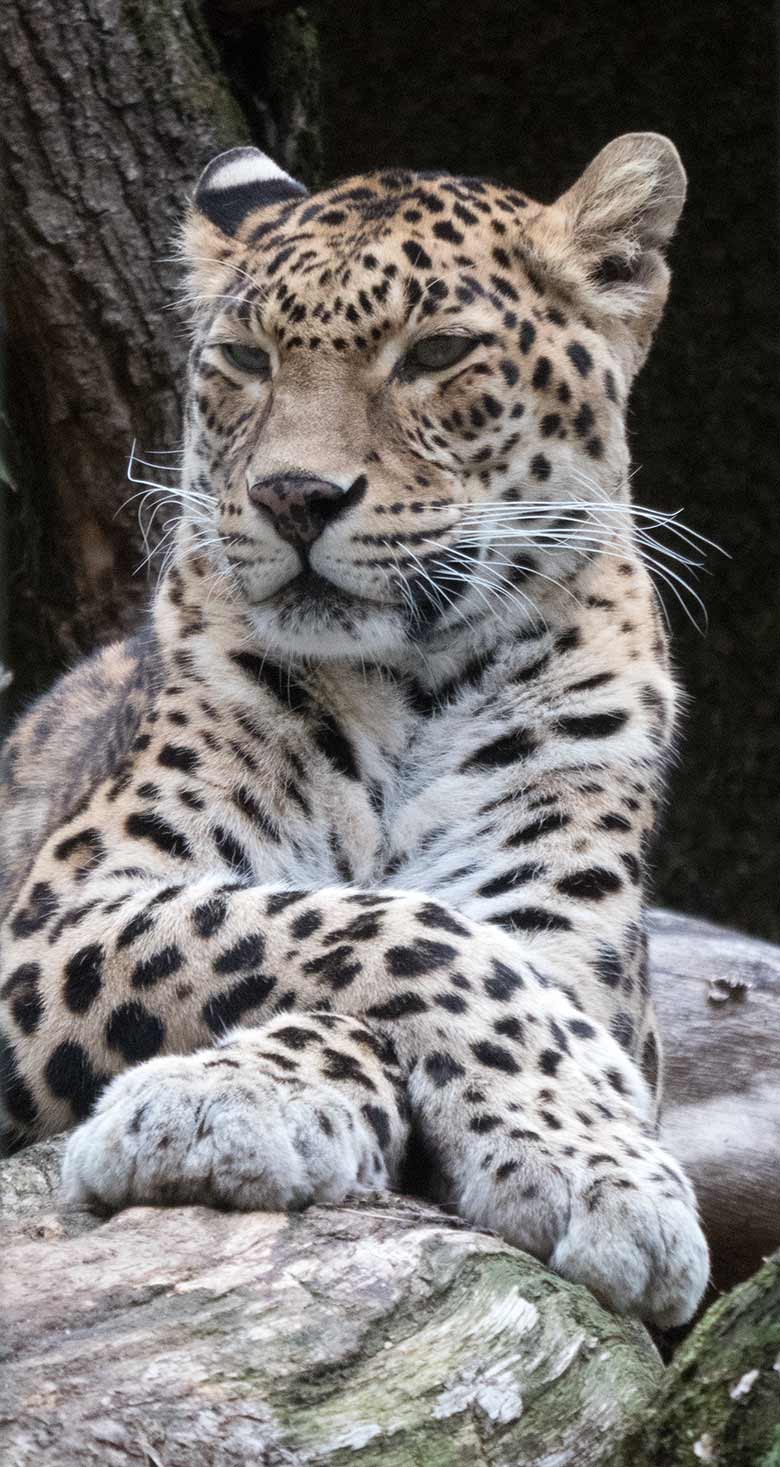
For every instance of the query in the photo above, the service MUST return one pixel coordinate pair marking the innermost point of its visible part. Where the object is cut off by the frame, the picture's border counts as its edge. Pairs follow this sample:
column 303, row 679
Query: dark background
column 115, row 105
column 528, row 93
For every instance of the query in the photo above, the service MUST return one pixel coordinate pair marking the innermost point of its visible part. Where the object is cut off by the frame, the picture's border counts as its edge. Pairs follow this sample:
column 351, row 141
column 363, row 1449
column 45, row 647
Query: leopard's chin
column 319, row 619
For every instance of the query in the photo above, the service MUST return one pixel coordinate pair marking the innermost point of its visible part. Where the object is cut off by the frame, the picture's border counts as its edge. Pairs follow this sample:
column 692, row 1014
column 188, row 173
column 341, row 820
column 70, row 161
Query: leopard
column 342, row 857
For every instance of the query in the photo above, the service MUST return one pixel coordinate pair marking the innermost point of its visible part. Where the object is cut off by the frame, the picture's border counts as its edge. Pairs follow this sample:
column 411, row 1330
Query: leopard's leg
column 538, row 1118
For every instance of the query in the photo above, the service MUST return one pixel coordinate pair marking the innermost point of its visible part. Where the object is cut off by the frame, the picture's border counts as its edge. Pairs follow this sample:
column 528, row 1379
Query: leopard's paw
column 629, row 1233
column 636, row 1243
column 207, row 1129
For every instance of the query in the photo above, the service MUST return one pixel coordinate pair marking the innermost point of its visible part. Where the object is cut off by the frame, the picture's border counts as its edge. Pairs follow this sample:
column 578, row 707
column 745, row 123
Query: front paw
column 627, row 1229
column 206, row 1129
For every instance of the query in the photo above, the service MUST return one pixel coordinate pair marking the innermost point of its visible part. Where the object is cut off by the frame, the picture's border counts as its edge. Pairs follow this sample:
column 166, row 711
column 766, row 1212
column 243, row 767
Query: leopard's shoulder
column 73, row 737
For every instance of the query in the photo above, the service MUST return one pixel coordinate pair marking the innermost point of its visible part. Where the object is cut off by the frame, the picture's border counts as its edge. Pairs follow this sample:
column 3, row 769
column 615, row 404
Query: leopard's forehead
column 382, row 224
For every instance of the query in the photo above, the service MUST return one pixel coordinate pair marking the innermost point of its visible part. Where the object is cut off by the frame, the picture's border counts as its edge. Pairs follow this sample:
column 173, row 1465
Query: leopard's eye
column 250, row 359
column 434, row 353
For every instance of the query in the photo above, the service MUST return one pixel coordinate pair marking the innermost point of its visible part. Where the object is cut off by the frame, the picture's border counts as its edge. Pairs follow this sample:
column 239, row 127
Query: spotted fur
column 351, row 838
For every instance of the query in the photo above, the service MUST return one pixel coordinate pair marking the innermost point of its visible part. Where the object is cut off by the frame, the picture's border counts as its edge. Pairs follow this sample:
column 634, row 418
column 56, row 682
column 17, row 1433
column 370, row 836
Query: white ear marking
column 237, row 167
column 237, row 182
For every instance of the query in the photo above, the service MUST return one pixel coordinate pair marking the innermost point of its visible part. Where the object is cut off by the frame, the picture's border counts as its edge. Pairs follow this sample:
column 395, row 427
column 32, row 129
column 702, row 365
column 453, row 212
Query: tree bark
column 112, row 109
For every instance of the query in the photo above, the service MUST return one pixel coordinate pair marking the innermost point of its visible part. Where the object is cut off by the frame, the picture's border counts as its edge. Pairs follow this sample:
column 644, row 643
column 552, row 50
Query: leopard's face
column 402, row 396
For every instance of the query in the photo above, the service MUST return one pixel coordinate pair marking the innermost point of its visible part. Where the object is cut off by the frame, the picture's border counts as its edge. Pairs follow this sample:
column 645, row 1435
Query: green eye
column 434, row 353
column 250, row 359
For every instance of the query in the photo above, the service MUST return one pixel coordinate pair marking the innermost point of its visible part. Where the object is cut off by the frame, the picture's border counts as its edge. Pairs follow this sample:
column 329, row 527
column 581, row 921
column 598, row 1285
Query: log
column 717, row 995
column 379, row 1331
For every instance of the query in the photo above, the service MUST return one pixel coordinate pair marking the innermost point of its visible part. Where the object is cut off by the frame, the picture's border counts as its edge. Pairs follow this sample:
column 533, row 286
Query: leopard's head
column 404, row 389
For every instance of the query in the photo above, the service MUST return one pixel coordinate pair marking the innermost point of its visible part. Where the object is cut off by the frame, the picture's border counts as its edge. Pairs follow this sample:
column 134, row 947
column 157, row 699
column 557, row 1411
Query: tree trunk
column 112, row 109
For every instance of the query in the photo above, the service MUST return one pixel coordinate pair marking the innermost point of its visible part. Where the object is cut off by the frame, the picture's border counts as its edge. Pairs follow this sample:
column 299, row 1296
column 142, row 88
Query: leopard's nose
column 301, row 506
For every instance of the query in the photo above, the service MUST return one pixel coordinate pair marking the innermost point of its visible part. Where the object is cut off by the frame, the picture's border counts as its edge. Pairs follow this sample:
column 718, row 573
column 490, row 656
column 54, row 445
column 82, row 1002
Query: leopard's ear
column 616, row 222
column 232, row 187
column 238, row 182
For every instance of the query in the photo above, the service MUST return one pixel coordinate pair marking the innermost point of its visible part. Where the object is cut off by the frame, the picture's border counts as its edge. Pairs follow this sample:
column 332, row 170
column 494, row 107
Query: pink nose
column 301, row 506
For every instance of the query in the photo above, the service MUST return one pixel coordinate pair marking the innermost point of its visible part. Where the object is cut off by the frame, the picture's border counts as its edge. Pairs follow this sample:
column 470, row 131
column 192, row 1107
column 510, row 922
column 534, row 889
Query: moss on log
column 720, row 1398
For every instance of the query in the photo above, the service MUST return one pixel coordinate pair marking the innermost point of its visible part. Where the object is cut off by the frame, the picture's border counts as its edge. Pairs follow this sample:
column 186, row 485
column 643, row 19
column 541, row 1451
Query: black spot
column 401, row 1006
column 90, row 841
column 592, row 884
column 516, row 876
column 340, row 1066
column 305, row 924
column 146, row 825
column 137, row 926
column 17, row 1096
column 505, row 1170
column 569, row 640
column 176, row 756
column 425, row 957
column 632, row 867
column 225, row 1009
column 532, row 919
column 509, row 1028
column 609, row 967
column 137, row 1034
column 442, row 1069
column 452, row 1003
column 379, row 1121
column 416, row 255
column 42, row 905
column 580, row 357
column 594, row 725
column 614, row 821
column 502, row 751
column 542, row 372
column 21, row 987
column 247, row 952
column 444, row 230
column 527, row 336
column 338, row 968
column 162, row 964
column 543, row 825
column 549, row 1060
column 504, row 983
column 581, row 1028
column 278, row 901
column 432, row 915
column 495, row 1056
column 650, row 1061
column 334, row 744
column 509, row 373
column 83, row 978
column 584, row 420
column 293, row 1037
column 540, row 467
column 231, row 851
column 70, row 1076
column 209, row 916
column 482, row 1124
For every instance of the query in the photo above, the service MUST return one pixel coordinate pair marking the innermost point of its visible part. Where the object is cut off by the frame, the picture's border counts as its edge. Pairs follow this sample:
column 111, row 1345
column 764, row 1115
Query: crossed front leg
column 361, row 1010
